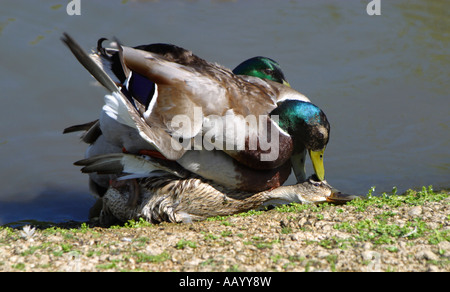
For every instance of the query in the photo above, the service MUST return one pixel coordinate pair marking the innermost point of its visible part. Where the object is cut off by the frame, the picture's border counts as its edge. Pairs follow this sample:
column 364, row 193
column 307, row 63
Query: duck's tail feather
column 119, row 107
column 111, row 60
column 133, row 165
column 89, row 64
column 80, row 127
column 91, row 134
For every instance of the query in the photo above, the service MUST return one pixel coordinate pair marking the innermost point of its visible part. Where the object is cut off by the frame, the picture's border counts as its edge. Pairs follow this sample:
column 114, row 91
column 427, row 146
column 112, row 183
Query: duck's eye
column 268, row 71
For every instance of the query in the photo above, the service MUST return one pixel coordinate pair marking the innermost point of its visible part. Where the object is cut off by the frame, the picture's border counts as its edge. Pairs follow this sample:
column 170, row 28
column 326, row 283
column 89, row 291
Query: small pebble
column 427, row 255
column 415, row 211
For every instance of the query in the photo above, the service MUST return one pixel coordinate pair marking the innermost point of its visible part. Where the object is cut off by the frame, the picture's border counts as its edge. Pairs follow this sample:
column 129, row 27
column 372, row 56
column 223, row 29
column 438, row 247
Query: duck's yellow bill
column 317, row 161
column 286, row 83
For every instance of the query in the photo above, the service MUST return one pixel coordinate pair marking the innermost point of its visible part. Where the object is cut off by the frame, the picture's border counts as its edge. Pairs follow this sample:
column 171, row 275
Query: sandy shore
column 399, row 233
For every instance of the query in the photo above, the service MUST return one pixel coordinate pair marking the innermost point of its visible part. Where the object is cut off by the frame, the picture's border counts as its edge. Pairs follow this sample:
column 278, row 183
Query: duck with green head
column 180, row 86
column 305, row 122
column 309, row 128
column 262, row 67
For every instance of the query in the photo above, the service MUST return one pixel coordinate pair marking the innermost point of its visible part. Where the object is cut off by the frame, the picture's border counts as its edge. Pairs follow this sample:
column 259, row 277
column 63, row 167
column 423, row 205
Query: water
column 383, row 81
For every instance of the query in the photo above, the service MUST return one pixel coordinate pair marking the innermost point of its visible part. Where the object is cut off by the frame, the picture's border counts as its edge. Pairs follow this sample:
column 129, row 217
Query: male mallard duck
column 141, row 89
column 181, row 90
column 262, row 67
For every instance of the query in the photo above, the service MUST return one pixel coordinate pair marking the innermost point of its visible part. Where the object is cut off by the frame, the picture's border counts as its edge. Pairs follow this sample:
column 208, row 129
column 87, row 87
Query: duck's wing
column 212, row 87
column 278, row 92
column 133, row 166
column 121, row 106
column 187, row 97
column 175, row 54
column 215, row 103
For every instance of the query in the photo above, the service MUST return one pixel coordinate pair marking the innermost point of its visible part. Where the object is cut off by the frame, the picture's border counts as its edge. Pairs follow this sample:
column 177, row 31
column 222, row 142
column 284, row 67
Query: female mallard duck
column 169, row 198
column 182, row 87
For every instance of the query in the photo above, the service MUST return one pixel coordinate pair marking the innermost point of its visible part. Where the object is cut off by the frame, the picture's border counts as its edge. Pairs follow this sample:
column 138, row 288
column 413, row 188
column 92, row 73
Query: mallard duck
column 179, row 196
column 180, row 90
column 169, row 198
column 262, row 67
column 141, row 89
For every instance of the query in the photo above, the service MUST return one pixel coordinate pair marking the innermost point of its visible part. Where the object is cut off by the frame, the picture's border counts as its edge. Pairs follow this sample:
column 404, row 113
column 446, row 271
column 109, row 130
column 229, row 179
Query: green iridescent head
column 262, row 67
column 309, row 128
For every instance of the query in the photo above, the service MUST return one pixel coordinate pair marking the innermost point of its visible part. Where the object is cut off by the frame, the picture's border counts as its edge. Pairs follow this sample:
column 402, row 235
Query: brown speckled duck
column 171, row 199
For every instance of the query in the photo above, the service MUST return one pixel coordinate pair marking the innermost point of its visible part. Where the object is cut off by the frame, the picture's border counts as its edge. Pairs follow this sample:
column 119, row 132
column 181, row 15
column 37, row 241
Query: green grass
column 260, row 243
column 106, row 266
column 183, row 243
column 137, row 224
column 393, row 200
column 297, row 207
column 19, row 266
column 411, row 198
column 379, row 231
column 146, row 258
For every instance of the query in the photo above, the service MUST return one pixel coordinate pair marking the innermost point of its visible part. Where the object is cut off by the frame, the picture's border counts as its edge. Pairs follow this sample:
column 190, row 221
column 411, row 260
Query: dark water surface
column 383, row 81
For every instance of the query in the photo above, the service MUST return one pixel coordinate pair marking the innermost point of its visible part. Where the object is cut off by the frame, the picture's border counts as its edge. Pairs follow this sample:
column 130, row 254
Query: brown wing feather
column 212, row 88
